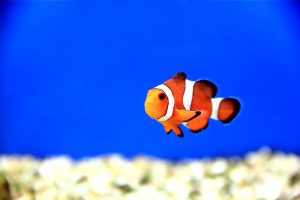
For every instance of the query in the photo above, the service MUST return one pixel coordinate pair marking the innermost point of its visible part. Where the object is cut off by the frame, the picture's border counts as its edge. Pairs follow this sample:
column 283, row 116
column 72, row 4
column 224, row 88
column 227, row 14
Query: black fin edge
column 211, row 85
column 237, row 108
column 196, row 131
column 181, row 135
column 196, row 115
column 205, row 127
column 199, row 130
column 179, row 76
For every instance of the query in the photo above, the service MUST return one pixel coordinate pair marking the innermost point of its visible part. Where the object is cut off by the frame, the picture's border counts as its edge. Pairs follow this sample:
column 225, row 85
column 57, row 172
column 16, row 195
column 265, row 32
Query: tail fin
column 225, row 109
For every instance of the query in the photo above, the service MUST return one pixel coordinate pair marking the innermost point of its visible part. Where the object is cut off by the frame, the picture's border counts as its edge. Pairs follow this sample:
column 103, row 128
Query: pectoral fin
column 177, row 131
column 167, row 129
column 174, row 128
column 185, row 116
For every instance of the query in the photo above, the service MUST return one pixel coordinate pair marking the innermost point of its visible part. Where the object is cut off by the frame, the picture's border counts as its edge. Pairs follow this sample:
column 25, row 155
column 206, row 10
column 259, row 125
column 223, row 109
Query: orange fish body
column 191, row 103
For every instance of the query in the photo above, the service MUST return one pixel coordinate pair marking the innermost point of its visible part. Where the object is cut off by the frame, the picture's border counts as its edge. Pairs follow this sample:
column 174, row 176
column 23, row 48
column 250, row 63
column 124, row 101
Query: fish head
column 156, row 103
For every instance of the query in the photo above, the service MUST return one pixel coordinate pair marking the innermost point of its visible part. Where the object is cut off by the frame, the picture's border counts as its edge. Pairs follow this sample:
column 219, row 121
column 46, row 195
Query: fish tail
column 225, row 109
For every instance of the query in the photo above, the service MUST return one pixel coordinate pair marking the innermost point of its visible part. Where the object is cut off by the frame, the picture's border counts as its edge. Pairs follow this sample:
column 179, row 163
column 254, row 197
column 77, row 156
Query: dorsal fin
column 180, row 76
column 209, row 88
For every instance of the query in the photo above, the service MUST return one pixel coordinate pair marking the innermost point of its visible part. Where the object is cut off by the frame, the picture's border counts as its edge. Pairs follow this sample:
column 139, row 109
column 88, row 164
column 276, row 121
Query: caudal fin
column 225, row 109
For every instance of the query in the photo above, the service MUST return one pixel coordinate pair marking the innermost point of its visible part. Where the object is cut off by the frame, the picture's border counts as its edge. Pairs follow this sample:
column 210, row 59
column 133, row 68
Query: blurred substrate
column 260, row 175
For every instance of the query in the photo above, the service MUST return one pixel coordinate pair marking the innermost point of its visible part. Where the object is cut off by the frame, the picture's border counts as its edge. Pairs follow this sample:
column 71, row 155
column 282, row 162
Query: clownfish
column 191, row 103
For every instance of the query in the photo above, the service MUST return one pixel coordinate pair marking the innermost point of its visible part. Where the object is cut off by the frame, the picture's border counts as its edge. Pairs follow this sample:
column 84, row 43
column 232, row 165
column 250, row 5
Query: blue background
column 74, row 75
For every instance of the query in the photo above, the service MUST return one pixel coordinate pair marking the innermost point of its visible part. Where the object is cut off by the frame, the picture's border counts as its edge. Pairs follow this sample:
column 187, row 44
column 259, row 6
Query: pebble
column 261, row 175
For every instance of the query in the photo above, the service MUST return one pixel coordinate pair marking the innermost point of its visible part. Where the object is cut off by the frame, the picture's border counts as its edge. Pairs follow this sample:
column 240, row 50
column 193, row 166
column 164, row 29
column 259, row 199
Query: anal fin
column 197, row 124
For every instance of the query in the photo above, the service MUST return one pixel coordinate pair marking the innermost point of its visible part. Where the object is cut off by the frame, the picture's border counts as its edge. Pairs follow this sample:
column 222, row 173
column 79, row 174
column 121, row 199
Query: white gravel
column 261, row 175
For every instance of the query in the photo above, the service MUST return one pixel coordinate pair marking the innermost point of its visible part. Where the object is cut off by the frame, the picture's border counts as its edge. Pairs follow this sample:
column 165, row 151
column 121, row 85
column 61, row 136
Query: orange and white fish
column 191, row 103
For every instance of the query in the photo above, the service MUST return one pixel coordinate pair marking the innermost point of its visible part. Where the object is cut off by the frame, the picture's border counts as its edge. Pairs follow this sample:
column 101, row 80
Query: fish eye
column 162, row 96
